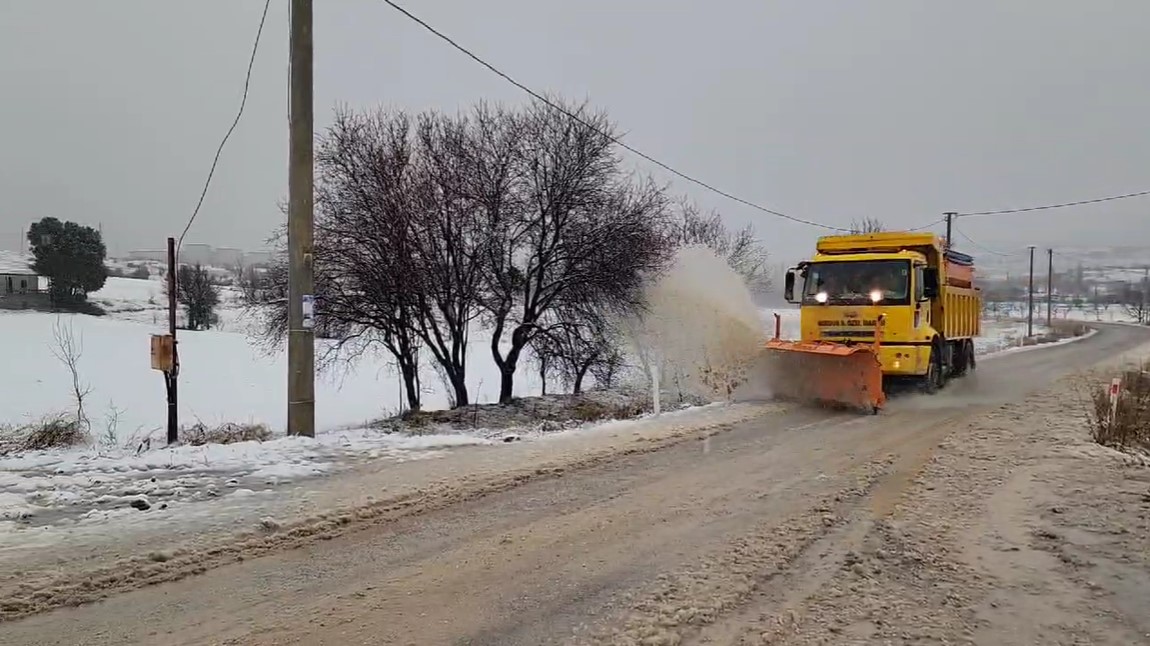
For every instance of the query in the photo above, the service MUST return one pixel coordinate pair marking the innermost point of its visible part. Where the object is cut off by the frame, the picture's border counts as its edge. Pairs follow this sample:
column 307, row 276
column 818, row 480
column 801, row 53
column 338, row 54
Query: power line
column 447, row 39
column 1056, row 206
column 981, row 247
column 239, row 113
column 928, row 225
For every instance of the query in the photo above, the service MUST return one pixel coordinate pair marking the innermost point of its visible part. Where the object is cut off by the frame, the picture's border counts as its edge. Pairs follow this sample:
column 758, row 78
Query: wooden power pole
column 1030, row 297
column 950, row 228
column 1142, row 316
column 1049, row 287
column 172, row 374
column 301, row 315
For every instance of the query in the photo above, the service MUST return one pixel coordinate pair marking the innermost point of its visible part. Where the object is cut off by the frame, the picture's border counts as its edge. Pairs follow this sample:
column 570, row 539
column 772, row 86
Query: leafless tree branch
column 68, row 350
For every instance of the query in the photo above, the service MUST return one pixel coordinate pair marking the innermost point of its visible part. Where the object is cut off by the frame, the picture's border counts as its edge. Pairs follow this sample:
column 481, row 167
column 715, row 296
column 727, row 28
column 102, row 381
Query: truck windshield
column 885, row 282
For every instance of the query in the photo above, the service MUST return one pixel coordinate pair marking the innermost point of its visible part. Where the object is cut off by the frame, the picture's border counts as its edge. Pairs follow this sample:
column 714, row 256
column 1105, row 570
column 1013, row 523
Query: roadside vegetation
column 1123, row 422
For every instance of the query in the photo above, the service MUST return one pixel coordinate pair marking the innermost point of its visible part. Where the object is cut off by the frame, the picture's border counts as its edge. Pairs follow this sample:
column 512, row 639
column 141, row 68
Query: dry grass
column 1066, row 328
column 592, row 406
column 1126, row 427
column 589, row 410
column 51, row 433
column 201, row 434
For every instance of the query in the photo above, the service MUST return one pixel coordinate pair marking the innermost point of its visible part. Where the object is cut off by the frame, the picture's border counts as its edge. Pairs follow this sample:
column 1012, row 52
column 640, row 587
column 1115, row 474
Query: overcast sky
column 896, row 109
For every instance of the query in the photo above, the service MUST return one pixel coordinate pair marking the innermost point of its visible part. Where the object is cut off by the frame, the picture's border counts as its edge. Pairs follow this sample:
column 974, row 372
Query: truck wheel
column 941, row 371
column 964, row 359
column 935, row 377
column 930, row 381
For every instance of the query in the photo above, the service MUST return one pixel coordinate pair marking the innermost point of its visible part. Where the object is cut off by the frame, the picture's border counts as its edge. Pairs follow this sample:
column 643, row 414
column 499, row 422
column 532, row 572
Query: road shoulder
column 1018, row 530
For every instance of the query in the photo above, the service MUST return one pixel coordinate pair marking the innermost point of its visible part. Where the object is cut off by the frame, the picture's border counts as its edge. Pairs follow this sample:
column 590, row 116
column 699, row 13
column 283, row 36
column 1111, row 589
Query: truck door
column 921, row 304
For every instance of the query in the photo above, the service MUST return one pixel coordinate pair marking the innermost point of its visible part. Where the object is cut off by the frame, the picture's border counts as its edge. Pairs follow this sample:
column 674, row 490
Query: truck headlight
column 875, row 296
column 821, row 297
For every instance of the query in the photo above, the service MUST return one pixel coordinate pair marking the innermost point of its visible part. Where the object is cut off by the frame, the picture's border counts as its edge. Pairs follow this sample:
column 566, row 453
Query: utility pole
column 1143, row 316
column 1049, row 286
column 950, row 215
column 171, row 376
column 301, row 339
column 1030, row 298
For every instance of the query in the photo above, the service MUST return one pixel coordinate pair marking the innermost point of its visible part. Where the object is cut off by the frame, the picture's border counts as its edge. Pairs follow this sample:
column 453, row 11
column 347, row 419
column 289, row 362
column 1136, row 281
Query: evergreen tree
column 71, row 256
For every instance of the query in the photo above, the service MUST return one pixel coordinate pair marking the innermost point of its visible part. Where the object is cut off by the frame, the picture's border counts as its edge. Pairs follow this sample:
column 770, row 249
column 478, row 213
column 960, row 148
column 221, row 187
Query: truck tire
column 936, row 370
column 964, row 358
column 929, row 383
column 935, row 378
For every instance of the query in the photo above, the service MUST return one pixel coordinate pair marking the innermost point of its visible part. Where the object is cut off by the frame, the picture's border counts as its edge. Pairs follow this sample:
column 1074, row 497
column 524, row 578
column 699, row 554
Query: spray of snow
column 700, row 331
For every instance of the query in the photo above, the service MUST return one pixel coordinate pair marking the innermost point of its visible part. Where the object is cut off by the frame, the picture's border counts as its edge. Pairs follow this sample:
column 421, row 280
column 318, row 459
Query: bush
column 1065, row 328
column 201, row 434
column 59, row 432
column 1130, row 427
column 589, row 410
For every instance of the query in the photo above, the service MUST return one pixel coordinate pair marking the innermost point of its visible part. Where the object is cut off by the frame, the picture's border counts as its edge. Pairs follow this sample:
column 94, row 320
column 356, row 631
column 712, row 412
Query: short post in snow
column 1115, row 393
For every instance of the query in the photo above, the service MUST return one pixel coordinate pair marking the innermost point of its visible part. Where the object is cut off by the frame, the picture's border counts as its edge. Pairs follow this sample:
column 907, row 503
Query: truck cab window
column 918, row 284
column 858, row 283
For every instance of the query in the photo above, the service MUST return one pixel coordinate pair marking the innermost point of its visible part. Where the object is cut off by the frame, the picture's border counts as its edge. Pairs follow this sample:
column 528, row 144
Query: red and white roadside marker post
column 1115, row 391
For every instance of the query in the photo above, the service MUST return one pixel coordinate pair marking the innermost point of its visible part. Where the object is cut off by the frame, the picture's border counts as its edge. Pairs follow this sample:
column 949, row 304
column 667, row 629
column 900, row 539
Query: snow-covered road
column 576, row 535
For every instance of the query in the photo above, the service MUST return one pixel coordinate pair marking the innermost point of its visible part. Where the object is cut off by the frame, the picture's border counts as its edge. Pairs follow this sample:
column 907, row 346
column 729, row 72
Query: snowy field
column 224, row 376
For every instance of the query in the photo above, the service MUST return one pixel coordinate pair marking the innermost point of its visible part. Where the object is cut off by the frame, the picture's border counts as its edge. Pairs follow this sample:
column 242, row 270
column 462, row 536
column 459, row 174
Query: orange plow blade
column 825, row 373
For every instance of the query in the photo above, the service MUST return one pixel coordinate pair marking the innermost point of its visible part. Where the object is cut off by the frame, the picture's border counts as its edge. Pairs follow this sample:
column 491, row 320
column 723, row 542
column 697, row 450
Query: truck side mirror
column 789, row 286
column 930, row 283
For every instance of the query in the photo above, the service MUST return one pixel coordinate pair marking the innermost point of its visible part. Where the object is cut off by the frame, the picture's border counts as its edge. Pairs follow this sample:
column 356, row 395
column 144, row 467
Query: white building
column 160, row 255
column 16, row 275
column 196, row 254
column 227, row 257
column 257, row 258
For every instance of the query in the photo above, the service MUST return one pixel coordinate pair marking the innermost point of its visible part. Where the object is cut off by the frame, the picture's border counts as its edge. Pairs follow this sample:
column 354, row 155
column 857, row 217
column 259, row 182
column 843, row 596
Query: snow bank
column 54, row 486
column 60, row 487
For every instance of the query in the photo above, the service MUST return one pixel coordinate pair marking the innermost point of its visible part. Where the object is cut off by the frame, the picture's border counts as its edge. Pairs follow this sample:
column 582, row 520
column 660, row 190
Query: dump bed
column 958, row 314
column 959, row 270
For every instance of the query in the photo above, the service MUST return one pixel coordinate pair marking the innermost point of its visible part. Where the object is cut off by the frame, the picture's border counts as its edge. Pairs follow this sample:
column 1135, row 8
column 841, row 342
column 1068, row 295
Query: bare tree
column 68, row 350
column 585, row 233
column 1134, row 301
column 867, row 225
column 606, row 370
column 574, row 342
column 199, row 296
column 742, row 249
column 449, row 241
column 363, row 257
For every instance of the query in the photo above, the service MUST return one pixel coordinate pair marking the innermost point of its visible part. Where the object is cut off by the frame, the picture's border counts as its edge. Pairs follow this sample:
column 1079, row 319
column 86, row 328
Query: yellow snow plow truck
column 874, row 308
